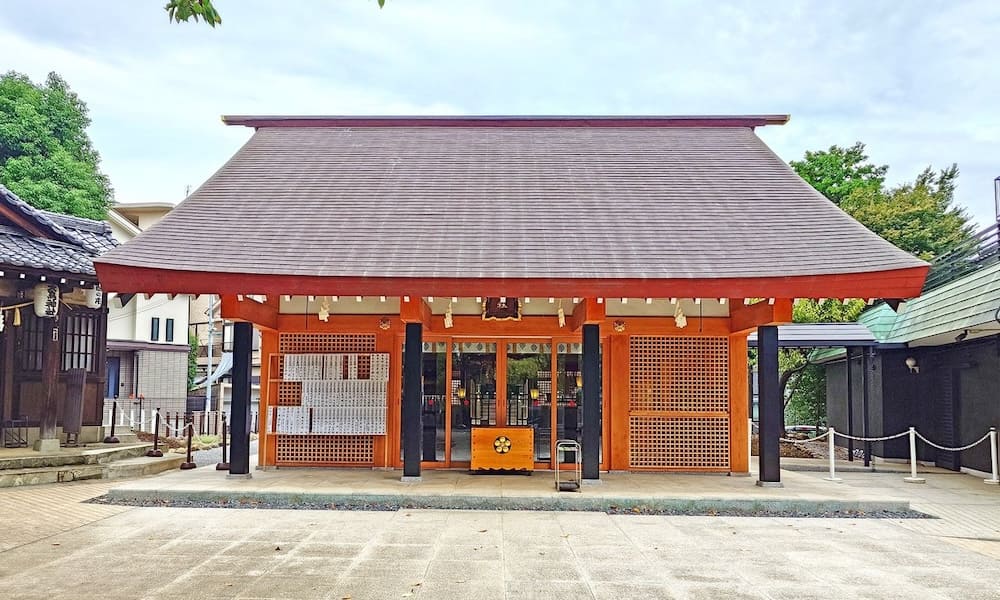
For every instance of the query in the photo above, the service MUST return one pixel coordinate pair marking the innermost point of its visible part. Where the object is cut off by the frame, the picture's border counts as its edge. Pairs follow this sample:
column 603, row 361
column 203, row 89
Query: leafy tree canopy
column 918, row 217
column 202, row 10
column 838, row 172
column 46, row 156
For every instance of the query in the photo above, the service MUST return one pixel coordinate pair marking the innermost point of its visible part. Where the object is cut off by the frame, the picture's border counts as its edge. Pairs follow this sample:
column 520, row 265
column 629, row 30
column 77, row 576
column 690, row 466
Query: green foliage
column 807, row 400
column 192, row 359
column 46, row 156
column 839, row 172
column 918, row 217
column 199, row 10
column 202, row 10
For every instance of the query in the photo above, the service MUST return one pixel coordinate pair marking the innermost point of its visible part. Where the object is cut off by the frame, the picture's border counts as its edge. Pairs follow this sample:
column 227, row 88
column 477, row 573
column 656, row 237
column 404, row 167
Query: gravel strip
column 611, row 507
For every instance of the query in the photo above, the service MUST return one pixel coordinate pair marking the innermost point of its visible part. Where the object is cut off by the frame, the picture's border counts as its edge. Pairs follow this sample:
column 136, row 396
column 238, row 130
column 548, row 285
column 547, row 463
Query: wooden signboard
column 503, row 448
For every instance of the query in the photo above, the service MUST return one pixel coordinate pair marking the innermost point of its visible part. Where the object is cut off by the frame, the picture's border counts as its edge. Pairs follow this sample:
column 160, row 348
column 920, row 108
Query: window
column 170, row 330
column 30, row 341
column 154, row 329
column 78, row 342
column 77, row 339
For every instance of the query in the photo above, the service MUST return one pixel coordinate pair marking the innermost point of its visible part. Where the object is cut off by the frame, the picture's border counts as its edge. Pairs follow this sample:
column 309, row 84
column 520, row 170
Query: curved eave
column 898, row 283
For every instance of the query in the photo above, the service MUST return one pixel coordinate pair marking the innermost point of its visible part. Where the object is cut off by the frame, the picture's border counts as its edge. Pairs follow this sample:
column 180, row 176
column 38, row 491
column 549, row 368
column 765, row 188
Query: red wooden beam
column 898, row 283
column 744, row 318
column 413, row 309
column 260, row 314
column 587, row 312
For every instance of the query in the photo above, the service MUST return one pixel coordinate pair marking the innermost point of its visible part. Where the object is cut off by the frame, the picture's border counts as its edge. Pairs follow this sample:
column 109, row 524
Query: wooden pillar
column 770, row 408
column 239, row 426
column 739, row 404
column 591, row 401
column 47, row 437
column 413, row 350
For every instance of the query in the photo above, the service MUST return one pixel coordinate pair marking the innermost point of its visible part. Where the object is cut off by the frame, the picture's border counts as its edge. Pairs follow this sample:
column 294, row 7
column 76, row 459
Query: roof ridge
column 757, row 120
column 41, row 217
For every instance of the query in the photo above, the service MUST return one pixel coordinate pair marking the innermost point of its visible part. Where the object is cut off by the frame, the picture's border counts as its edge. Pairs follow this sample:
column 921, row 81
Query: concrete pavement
column 95, row 551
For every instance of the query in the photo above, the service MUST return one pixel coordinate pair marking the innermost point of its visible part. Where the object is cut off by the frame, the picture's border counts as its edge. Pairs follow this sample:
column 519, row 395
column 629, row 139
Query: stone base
column 914, row 480
column 770, row 484
column 239, row 476
column 592, row 482
column 411, row 478
column 46, row 445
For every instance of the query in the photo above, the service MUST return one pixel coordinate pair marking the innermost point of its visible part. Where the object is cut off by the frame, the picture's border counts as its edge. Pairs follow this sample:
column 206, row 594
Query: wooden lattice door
column 679, row 403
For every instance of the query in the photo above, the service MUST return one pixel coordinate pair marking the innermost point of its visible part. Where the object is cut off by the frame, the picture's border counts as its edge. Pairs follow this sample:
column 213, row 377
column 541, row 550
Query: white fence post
column 913, row 459
column 831, row 446
column 993, row 457
column 142, row 420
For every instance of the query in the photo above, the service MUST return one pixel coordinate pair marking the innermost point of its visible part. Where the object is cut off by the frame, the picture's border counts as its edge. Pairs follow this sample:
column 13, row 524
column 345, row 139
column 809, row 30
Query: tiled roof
column 70, row 245
column 553, row 202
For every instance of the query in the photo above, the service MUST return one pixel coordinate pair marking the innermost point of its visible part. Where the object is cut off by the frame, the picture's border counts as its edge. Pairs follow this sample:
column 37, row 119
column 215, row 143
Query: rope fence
column 831, row 434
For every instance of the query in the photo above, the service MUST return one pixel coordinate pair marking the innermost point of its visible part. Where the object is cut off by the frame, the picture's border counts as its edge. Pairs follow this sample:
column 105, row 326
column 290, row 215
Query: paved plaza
column 59, row 547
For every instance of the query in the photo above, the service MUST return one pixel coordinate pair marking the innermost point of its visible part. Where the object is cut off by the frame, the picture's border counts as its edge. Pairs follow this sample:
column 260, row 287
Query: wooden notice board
column 503, row 448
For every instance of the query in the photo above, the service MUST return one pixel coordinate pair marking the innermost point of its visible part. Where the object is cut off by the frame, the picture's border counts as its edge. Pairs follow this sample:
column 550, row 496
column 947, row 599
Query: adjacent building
column 147, row 357
column 52, row 327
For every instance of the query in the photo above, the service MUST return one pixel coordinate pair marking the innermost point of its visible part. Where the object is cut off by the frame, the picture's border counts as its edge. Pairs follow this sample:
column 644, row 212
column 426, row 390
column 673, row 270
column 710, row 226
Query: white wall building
column 147, row 336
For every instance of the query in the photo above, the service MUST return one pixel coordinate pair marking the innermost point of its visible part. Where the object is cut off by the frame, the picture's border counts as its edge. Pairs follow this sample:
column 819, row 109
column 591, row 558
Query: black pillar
column 850, row 404
column 413, row 354
column 864, row 404
column 239, row 423
column 770, row 407
column 591, row 402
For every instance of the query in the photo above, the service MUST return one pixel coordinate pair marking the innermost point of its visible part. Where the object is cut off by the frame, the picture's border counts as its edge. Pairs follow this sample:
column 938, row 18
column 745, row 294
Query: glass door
column 473, row 393
column 529, row 392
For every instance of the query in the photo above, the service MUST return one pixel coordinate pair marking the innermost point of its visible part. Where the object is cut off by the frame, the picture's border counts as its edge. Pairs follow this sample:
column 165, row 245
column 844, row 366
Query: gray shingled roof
column 70, row 246
column 521, row 202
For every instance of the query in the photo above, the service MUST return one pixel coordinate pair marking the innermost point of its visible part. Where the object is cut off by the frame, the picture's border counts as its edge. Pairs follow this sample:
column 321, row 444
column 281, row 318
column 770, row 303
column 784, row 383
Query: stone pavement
column 95, row 551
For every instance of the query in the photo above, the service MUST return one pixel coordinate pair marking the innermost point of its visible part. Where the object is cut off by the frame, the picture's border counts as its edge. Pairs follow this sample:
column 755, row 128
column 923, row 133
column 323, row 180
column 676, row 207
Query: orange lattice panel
column 693, row 443
column 289, row 393
column 321, row 343
column 325, row 449
column 689, row 374
column 671, row 380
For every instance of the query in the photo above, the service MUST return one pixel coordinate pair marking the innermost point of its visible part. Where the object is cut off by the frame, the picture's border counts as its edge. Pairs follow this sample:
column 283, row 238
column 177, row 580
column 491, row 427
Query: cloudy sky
column 917, row 81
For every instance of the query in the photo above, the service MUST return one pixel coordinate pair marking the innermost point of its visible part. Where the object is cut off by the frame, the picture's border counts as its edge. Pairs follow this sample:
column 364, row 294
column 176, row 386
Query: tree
column 202, row 10
column 192, row 359
column 46, row 156
column 918, row 217
column 838, row 172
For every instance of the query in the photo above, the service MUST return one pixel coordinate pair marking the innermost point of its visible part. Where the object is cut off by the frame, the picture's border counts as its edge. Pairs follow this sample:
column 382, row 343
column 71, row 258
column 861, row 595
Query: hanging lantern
column 46, row 300
column 93, row 297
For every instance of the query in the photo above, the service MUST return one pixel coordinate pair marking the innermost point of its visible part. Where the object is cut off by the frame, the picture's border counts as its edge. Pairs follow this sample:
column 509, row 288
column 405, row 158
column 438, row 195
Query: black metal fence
column 979, row 252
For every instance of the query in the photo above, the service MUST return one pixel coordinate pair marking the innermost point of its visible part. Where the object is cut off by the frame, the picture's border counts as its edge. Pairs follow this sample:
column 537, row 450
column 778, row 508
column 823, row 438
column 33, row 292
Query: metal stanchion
column 832, row 450
column 189, row 425
column 993, row 457
column 913, row 459
column 156, row 452
column 111, row 439
column 224, row 465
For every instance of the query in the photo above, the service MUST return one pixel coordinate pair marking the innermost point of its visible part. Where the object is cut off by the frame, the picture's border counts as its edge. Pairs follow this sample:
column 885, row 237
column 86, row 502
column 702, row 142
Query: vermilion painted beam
column 898, row 283
column 414, row 311
column 262, row 315
column 744, row 318
column 587, row 312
